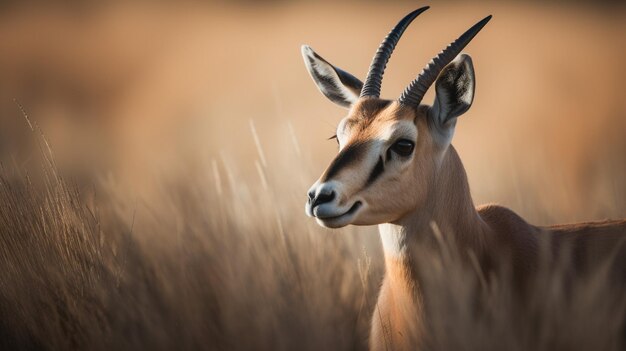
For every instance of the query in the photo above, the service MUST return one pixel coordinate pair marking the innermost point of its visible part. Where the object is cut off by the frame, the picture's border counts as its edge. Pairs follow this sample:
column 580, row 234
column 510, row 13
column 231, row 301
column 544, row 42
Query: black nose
column 321, row 198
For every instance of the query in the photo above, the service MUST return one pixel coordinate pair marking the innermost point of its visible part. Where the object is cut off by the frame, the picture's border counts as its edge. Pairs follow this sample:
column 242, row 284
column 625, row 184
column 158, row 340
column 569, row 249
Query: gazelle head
column 390, row 151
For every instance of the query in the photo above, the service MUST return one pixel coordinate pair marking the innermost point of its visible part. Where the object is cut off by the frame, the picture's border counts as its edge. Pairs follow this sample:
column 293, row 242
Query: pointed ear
column 339, row 86
column 454, row 94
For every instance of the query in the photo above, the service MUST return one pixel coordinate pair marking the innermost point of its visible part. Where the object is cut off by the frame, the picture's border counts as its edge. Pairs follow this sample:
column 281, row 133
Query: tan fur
column 394, row 320
column 434, row 191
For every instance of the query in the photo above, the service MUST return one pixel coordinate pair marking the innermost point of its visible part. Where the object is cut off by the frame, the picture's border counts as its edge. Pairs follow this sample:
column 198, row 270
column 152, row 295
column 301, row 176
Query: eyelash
column 334, row 137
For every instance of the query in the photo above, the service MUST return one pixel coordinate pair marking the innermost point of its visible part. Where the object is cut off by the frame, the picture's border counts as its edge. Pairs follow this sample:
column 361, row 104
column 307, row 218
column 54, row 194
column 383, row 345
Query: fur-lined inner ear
column 454, row 94
column 336, row 84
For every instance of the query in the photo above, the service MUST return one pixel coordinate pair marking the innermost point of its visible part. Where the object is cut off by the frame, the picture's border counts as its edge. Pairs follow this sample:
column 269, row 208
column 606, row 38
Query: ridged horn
column 414, row 92
column 374, row 79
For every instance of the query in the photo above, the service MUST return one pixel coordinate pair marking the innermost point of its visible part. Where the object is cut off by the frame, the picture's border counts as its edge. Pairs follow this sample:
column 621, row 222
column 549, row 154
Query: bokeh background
column 125, row 87
column 192, row 131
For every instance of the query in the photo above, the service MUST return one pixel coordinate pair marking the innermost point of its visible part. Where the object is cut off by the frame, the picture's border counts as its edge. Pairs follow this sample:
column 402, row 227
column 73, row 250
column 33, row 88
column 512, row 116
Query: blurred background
column 124, row 88
column 200, row 117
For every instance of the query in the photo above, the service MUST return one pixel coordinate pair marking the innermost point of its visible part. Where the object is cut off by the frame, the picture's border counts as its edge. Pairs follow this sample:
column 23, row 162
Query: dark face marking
column 376, row 172
column 351, row 153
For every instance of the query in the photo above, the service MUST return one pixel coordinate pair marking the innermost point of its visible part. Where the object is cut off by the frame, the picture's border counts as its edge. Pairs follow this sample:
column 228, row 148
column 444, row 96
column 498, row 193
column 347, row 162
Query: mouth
column 340, row 220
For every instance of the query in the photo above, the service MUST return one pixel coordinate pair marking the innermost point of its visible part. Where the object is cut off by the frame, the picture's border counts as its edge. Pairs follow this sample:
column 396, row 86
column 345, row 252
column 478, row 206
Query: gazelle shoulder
column 508, row 225
column 496, row 214
column 511, row 236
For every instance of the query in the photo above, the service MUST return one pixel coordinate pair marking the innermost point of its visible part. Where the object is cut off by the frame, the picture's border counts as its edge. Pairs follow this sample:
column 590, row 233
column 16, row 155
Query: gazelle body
column 396, row 168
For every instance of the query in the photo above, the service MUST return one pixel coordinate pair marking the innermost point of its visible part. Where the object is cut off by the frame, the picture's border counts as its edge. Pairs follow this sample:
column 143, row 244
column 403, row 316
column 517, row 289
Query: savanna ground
column 162, row 208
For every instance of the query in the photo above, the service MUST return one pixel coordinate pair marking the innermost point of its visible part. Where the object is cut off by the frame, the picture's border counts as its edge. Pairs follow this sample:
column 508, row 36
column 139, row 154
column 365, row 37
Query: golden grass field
column 153, row 195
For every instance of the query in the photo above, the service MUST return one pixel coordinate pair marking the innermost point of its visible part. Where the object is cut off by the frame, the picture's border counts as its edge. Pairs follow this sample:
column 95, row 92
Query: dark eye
column 403, row 147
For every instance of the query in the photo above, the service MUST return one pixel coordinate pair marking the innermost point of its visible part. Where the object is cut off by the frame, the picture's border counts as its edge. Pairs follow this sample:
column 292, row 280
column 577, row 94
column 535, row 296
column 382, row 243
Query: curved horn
column 374, row 79
column 414, row 92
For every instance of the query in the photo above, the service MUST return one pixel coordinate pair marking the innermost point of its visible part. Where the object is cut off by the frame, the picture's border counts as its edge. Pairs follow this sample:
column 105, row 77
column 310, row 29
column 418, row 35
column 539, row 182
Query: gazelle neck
column 449, row 207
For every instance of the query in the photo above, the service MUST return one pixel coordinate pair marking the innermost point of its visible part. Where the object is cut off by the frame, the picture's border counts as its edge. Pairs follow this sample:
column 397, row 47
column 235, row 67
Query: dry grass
column 166, row 219
column 193, row 269
column 237, row 269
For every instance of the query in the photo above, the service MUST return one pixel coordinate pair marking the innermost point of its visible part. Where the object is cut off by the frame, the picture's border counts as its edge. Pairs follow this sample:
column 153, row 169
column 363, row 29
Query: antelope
column 396, row 168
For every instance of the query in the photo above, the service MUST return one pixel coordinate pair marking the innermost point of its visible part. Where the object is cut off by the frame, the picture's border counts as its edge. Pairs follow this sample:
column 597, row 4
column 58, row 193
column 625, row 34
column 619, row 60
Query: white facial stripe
column 342, row 132
column 400, row 129
column 396, row 130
